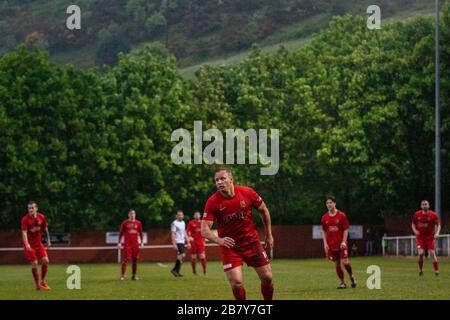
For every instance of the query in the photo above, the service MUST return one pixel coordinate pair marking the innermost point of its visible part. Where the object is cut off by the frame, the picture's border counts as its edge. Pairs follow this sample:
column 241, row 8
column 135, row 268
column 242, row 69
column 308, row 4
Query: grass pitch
column 294, row 279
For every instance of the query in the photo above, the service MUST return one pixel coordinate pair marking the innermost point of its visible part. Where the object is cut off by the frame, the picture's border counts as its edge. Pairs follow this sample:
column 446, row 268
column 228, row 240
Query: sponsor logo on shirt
column 333, row 229
column 234, row 216
column 243, row 204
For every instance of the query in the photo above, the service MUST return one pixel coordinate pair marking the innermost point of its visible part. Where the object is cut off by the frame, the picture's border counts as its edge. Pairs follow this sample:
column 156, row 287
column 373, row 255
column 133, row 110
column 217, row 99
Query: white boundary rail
column 406, row 245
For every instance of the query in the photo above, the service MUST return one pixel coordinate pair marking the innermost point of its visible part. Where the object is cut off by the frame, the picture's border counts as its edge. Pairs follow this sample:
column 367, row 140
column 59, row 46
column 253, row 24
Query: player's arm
column 173, row 237
column 438, row 229
column 209, row 234
column 25, row 240
column 189, row 233
column 188, row 242
column 141, row 234
column 265, row 215
column 49, row 244
column 324, row 238
column 344, row 239
column 120, row 235
column 413, row 226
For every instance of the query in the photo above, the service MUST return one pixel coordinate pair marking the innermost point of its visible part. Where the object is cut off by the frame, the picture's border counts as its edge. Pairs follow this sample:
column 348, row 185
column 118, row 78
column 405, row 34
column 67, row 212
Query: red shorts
column 130, row 252
column 197, row 247
column 425, row 243
column 337, row 254
column 35, row 253
column 253, row 254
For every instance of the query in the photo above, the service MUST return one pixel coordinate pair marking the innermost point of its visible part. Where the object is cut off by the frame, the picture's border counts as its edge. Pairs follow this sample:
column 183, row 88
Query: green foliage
column 354, row 109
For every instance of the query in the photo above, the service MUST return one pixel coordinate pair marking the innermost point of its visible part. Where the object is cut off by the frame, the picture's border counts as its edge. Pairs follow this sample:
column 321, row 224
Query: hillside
column 194, row 31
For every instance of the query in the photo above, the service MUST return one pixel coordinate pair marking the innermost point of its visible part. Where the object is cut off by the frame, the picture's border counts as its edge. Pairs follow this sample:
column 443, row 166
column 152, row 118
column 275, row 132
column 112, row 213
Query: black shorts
column 180, row 247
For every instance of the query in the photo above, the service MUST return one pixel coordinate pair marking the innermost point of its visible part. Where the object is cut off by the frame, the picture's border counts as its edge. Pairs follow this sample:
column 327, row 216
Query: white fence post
column 396, row 248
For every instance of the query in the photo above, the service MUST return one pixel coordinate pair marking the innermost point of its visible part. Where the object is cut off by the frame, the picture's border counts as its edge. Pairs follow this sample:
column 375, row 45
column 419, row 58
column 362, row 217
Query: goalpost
column 406, row 245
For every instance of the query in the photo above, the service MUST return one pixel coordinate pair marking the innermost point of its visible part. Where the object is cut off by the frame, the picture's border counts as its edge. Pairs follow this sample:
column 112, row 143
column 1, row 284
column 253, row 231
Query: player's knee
column 193, row 256
column 202, row 256
column 34, row 264
column 45, row 261
column 236, row 284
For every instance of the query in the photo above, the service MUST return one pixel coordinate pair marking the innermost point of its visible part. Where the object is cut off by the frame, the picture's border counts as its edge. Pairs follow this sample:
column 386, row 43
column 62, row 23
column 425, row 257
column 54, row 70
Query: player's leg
column 236, row 280
column 348, row 267
column 135, row 258
column 35, row 272
column 430, row 246
column 126, row 257
column 201, row 251
column 265, row 275
column 339, row 272
column 193, row 257
column 202, row 257
column 31, row 257
column 180, row 257
column 435, row 261
column 42, row 254
column 420, row 261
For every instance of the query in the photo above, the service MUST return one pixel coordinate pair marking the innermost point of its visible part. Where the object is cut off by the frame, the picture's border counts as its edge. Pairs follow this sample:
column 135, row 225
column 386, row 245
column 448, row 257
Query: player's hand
column 326, row 248
column 28, row 247
column 416, row 233
column 269, row 242
column 141, row 245
column 188, row 245
column 343, row 245
column 49, row 244
column 119, row 245
column 226, row 242
column 436, row 236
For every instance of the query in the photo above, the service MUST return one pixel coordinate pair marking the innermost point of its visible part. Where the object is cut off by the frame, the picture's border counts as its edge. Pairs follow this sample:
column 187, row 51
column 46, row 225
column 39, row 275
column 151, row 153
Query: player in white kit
column 179, row 239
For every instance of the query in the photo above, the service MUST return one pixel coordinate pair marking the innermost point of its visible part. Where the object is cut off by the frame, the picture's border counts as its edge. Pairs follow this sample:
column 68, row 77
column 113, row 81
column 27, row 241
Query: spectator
column 369, row 241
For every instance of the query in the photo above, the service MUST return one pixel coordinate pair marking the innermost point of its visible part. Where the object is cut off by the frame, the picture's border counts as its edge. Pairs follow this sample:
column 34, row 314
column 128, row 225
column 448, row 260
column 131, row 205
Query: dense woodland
column 355, row 109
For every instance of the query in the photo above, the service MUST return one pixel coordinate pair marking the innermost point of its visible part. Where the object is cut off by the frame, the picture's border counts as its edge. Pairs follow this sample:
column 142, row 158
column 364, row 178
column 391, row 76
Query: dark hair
column 332, row 198
column 131, row 210
column 424, row 201
column 31, row 202
column 218, row 169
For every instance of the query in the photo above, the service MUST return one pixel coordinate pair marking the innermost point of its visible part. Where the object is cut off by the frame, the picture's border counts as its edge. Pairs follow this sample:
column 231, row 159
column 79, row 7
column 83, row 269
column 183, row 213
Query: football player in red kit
column 335, row 233
column 238, row 238
column 197, row 242
column 130, row 229
column 33, row 223
column 423, row 224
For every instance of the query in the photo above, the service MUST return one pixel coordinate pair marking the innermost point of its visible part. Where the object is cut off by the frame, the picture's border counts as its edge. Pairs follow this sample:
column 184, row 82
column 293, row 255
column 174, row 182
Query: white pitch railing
column 406, row 245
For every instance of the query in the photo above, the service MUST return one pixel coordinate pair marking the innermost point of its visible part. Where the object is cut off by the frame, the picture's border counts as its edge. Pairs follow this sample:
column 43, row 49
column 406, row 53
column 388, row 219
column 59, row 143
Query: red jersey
column 34, row 226
column 425, row 223
column 334, row 227
column 194, row 229
column 130, row 230
column 234, row 215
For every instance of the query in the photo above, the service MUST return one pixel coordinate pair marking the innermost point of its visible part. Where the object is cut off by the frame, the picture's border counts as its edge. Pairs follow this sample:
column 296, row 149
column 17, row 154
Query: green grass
column 294, row 279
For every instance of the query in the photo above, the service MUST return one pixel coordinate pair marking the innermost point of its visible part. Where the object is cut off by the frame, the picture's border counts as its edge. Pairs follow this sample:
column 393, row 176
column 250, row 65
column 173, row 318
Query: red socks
column 340, row 273
column 421, row 262
column 194, row 263
column 436, row 266
column 204, row 264
column 123, row 269
column 35, row 276
column 348, row 267
column 267, row 291
column 239, row 293
column 134, row 268
column 44, row 269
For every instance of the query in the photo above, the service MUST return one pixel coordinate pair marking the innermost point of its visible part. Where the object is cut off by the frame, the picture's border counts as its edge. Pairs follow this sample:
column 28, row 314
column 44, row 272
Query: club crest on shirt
column 243, row 204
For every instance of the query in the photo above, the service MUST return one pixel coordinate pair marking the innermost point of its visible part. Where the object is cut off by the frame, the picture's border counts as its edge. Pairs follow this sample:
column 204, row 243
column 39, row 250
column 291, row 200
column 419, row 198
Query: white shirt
column 179, row 228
